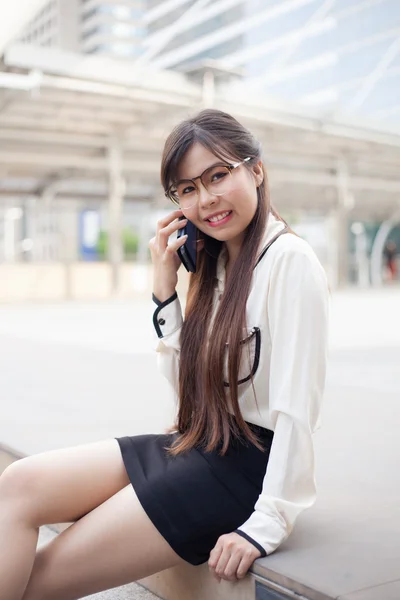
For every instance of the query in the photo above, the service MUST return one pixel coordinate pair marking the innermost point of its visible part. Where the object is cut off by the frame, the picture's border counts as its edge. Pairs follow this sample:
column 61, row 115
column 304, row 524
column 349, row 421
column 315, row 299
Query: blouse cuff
column 249, row 539
column 167, row 321
column 264, row 531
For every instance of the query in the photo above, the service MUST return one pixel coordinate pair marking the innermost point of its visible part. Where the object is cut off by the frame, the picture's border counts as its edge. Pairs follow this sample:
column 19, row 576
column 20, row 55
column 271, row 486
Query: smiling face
column 240, row 201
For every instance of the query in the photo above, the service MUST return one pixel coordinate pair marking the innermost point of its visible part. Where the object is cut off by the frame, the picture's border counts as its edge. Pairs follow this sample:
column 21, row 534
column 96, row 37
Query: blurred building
column 57, row 25
column 128, row 28
column 113, row 29
column 90, row 27
column 173, row 26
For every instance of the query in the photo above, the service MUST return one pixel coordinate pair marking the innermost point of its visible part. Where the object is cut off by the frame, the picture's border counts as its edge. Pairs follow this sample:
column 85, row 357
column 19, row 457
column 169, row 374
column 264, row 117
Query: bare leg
column 18, row 541
column 59, row 486
column 113, row 545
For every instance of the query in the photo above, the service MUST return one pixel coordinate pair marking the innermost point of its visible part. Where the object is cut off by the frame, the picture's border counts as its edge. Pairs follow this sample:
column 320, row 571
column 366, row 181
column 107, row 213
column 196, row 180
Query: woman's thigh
column 60, row 486
column 114, row 544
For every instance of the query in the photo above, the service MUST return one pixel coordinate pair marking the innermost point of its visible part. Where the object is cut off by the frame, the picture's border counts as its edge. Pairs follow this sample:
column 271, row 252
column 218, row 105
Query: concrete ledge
column 195, row 583
column 82, row 281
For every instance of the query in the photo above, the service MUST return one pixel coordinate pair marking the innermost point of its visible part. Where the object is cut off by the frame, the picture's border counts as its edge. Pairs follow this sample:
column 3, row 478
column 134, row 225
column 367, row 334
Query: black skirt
column 195, row 497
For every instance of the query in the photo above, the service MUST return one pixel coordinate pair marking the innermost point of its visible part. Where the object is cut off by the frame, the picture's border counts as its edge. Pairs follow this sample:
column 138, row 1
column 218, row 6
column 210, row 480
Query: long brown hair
column 203, row 418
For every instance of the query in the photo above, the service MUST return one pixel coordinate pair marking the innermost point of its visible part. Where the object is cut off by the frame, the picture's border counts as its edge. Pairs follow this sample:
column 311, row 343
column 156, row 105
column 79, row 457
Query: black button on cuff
column 160, row 321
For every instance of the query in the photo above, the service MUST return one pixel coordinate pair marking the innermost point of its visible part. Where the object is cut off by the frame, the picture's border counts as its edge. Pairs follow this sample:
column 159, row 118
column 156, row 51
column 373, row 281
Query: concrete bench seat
column 346, row 547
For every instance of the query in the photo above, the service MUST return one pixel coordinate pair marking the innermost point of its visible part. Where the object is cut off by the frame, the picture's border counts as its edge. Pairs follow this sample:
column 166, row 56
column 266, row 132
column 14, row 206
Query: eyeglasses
column 217, row 180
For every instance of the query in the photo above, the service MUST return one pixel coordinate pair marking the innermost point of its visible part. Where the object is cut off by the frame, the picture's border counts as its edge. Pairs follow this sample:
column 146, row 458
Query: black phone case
column 188, row 252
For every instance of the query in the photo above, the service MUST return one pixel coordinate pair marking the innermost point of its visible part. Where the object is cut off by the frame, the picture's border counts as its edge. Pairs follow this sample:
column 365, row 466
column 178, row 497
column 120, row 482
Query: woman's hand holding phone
column 164, row 256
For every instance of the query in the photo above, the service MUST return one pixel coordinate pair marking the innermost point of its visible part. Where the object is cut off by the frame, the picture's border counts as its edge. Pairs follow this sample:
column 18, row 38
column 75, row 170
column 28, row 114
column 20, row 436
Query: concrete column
column 70, row 31
column 116, row 198
column 144, row 235
column 52, row 242
column 332, row 251
column 208, row 91
column 32, row 225
column 44, row 220
column 345, row 201
column 12, row 233
column 361, row 254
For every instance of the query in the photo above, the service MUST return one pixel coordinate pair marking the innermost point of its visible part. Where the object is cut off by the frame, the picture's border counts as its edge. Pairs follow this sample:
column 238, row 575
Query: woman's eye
column 219, row 175
column 188, row 190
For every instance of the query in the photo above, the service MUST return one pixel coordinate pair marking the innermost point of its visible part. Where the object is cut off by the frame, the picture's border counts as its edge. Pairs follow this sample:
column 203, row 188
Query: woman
column 226, row 483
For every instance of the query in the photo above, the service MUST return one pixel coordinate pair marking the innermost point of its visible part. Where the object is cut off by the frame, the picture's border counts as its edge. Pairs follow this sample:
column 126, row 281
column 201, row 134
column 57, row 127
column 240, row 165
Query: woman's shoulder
column 291, row 244
column 290, row 250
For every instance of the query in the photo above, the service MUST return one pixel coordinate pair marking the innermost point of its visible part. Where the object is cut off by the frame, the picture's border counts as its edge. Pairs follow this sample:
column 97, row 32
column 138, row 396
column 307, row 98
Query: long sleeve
column 298, row 312
column 167, row 321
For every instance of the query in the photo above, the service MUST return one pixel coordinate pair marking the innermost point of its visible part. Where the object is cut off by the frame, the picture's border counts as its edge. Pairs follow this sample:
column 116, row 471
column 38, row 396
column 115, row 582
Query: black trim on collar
column 249, row 539
column 263, row 252
column 160, row 306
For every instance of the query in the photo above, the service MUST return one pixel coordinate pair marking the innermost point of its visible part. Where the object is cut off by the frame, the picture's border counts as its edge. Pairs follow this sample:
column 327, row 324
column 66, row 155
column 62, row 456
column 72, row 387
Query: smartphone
column 188, row 252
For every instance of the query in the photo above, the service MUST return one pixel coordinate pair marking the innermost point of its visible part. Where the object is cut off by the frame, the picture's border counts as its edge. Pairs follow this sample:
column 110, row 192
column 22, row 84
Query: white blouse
column 287, row 341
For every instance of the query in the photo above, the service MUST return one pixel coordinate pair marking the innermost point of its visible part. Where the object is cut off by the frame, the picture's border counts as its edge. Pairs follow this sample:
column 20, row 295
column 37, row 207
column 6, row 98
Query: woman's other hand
column 232, row 557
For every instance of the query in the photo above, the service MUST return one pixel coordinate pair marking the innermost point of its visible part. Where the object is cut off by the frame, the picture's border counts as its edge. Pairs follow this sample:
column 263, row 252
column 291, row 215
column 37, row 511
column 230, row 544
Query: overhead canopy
column 59, row 111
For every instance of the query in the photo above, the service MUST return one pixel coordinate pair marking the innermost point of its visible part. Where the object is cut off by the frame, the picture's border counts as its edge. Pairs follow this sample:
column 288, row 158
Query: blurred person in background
column 390, row 255
column 226, row 483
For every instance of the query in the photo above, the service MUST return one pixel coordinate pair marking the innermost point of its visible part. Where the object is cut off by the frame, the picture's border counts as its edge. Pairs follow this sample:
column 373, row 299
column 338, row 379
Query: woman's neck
column 233, row 247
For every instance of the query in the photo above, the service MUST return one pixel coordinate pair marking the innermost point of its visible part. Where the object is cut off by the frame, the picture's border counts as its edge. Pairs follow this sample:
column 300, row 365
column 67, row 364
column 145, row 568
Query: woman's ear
column 258, row 173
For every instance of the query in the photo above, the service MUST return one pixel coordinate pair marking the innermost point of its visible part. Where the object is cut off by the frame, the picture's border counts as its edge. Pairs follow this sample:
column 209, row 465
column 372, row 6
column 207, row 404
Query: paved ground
column 78, row 373
column 74, row 373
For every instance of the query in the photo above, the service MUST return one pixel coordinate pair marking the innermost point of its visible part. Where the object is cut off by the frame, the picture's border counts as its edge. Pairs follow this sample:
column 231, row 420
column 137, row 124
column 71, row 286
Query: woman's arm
column 298, row 310
column 167, row 321
column 167, row 318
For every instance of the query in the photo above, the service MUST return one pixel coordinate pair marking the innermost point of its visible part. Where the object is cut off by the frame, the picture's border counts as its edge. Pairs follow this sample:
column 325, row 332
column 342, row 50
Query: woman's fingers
column 173, row 246
column 164, row 233
column 231, row 567
column 163, row 250
column 165, row 221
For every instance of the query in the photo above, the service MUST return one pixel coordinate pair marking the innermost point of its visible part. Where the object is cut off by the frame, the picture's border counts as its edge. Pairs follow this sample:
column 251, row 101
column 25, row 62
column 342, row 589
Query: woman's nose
column 205, row 198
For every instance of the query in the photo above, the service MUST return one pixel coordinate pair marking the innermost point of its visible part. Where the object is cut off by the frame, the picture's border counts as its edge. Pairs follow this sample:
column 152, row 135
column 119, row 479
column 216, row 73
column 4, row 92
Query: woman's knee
column 19, row 486
column 17, row 480
column 63, row 485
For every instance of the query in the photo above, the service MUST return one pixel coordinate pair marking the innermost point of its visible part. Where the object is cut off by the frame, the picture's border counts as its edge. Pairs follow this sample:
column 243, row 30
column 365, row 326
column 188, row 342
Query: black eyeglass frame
column 229, row 166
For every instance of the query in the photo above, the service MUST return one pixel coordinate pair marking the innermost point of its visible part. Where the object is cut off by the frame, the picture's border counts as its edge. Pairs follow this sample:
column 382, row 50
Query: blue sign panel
column 89, row 231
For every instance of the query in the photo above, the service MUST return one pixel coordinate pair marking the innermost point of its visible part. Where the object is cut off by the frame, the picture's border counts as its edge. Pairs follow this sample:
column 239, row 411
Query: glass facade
column 332, row 58
column 114, row 29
